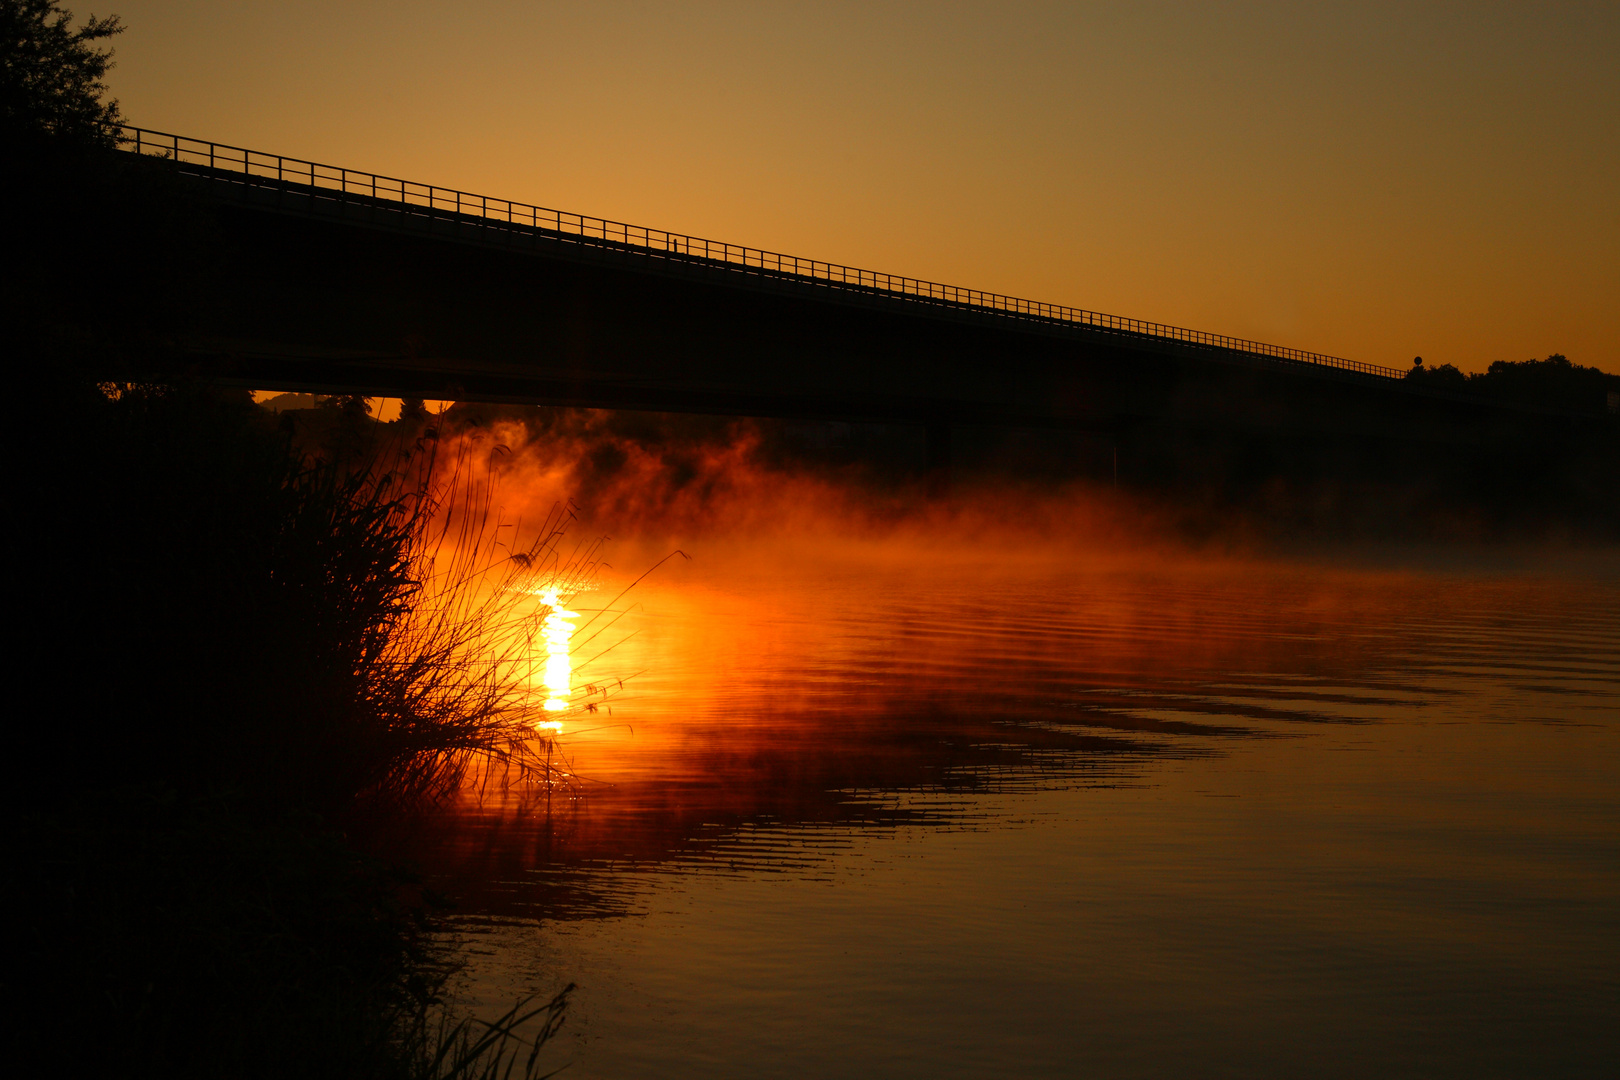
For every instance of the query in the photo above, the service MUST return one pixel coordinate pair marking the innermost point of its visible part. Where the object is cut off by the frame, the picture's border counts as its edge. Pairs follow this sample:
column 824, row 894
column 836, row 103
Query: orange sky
column 1372, row 180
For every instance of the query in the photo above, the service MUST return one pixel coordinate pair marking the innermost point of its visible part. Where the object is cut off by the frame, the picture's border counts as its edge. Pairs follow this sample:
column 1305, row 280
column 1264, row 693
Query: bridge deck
column 298, row 186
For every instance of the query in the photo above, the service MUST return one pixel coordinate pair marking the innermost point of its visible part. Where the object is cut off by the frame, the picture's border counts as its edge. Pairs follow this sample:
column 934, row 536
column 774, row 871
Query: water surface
column 879, row 815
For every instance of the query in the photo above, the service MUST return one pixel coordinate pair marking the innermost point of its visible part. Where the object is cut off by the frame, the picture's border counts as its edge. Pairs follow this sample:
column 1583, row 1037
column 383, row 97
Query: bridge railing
column 518, row 220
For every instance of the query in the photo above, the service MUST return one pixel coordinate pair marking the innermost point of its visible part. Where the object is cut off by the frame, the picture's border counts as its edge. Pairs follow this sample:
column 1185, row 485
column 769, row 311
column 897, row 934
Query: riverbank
column 228, row 648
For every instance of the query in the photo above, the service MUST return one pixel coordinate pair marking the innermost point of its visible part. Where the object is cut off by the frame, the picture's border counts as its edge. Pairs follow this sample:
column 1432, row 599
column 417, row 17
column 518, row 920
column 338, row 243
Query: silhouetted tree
column 51, row 74
column 1444, row 377
column 1553, row 383
column 354, row 407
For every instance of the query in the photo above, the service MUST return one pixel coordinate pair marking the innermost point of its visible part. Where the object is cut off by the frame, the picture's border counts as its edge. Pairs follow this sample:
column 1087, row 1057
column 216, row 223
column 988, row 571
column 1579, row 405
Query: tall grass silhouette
column 245, row 642
column 453, row 673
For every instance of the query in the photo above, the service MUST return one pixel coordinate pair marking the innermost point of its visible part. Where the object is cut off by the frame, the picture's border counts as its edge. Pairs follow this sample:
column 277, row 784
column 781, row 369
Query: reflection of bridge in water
column 337, row 280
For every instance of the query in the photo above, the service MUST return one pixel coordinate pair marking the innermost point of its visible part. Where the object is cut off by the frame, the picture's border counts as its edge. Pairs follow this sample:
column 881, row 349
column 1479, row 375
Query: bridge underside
column 324, row 305
column 300, row 302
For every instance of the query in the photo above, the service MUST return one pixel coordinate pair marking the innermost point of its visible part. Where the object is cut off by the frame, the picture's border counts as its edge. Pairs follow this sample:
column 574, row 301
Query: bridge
column 337, row 280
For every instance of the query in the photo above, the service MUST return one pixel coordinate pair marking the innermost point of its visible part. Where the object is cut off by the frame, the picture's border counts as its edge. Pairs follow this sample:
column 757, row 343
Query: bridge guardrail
column 411, row 197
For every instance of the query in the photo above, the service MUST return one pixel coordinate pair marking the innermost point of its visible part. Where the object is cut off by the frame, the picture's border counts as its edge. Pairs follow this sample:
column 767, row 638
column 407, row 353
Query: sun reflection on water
column 556, row 629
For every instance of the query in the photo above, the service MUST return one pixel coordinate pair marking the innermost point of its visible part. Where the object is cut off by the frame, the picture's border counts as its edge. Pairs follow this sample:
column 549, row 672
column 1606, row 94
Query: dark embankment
column 206, row 646
column 210, row 624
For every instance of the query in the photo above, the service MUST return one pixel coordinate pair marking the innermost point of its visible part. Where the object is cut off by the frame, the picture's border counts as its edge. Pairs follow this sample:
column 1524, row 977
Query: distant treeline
column 1553, row 383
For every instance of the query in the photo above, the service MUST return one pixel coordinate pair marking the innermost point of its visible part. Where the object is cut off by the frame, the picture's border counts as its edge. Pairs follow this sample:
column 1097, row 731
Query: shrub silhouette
column 238, row 644
column 291, row 633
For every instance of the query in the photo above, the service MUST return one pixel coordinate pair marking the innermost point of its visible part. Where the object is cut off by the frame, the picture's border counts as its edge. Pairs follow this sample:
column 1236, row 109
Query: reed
column 472, row 1049
column 237, row 621
column 449, row 654
column 237, row 643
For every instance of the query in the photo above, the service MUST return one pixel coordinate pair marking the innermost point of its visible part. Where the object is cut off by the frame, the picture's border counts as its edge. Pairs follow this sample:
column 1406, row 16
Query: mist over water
column 753, row 490
column 1025, row 782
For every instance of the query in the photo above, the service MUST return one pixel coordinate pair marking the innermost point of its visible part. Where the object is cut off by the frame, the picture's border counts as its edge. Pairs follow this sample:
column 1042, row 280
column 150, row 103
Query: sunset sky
column 1371, row 180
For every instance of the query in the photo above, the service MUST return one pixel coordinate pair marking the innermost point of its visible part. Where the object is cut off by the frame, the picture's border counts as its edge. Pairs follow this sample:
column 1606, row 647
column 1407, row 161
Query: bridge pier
column 937, row 433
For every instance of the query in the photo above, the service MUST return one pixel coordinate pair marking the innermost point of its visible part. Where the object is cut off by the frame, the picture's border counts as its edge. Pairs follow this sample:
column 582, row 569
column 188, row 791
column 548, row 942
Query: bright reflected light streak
column 556, row 630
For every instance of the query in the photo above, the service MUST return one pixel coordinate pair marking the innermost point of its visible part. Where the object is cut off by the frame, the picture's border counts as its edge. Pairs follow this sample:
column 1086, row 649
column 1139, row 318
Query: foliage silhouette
column 240, row 643
column 51, row 74
column 1553, row 383
column 232, row 642
column 287, row 633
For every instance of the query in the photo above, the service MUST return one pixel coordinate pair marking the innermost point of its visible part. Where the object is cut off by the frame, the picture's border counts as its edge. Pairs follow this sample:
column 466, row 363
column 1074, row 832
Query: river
column 874, row 811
